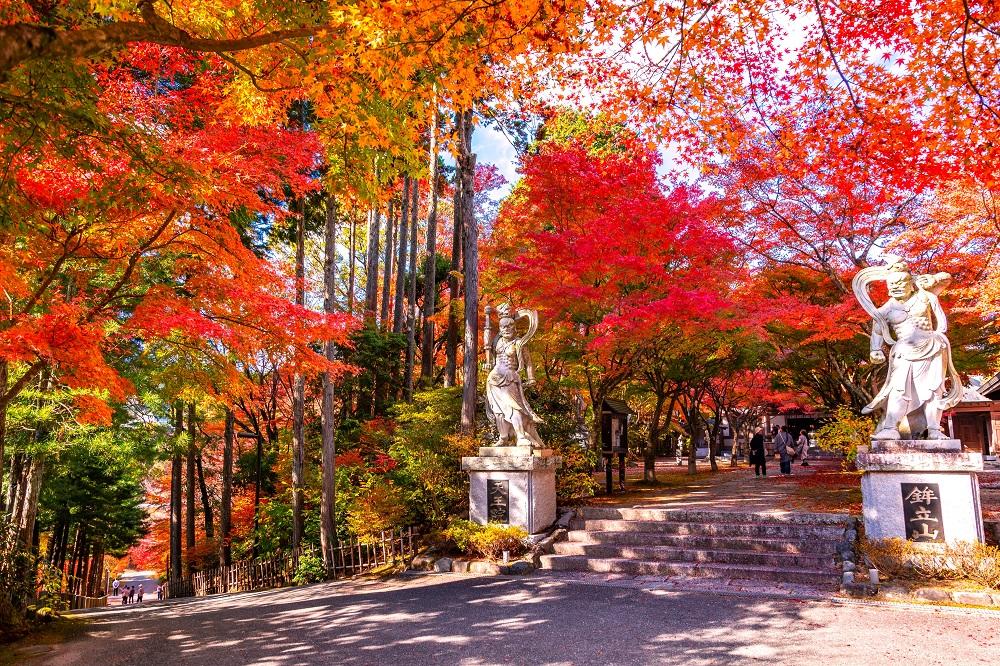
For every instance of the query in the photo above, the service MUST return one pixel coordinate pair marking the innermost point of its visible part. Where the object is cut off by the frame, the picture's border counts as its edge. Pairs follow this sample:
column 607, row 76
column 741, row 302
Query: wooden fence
column 77, row 602
column 346, row 559
column 355, row 556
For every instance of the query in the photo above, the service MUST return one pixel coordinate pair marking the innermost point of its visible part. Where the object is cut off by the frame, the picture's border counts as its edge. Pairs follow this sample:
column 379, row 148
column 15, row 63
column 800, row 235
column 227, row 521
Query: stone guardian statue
column 913, row 325
column 507, row 354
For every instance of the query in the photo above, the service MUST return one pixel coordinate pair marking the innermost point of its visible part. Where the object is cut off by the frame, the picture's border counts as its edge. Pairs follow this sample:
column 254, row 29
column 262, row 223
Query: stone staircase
column 776, row 548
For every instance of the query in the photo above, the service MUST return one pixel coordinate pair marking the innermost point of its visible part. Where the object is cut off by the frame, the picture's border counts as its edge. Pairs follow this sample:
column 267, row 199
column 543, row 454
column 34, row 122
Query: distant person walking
column 757, row 457
column 159, row 593
column 114, row 586
column 802, row 447
column 131, row 594
column 785, row 446
column 139, row 593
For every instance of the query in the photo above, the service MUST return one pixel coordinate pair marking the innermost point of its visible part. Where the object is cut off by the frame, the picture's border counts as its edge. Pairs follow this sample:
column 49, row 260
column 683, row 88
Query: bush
column 459, row 534
column 845, row 433
column 976, row 562
column 429, row 453
column 380, row 507
column 309, row 570
column 491, row 540
column 487, row 541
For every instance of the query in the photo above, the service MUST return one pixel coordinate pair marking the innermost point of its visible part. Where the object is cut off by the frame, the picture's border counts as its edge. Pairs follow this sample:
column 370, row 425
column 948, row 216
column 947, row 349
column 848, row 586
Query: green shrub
column 459, row 534
column 429, row 453
column 845, row 433
column 309, row 570
column 491, row 540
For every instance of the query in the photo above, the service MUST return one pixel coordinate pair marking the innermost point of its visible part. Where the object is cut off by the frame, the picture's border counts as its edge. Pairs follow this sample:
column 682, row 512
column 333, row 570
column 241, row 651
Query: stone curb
column 937, row 594
column 480, row 567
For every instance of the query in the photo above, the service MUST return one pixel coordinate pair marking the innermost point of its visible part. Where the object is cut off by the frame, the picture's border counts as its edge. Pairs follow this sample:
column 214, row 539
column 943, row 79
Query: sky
column 492, row 147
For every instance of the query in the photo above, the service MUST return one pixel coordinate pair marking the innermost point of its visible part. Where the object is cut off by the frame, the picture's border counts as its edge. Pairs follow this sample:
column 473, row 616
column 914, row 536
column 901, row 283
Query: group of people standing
column 130, row 594
column 785, row 445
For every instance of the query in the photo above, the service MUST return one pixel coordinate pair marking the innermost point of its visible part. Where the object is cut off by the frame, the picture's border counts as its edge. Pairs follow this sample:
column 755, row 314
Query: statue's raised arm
column 913, row 324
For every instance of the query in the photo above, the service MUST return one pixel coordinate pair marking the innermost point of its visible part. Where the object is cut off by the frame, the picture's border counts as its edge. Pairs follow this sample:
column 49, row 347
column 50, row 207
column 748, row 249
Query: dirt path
column 820, row 487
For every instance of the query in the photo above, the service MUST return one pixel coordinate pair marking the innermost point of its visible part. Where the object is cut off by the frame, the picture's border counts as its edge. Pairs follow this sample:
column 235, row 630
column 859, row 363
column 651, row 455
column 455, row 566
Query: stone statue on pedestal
column 913, row 324
column 505, row 399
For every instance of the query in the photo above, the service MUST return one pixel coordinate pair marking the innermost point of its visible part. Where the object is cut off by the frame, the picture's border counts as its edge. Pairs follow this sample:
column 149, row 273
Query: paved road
column 134, row 579
column 450, row 619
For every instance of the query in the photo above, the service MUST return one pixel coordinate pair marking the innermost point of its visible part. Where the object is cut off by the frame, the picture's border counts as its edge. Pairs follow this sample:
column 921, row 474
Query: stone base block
column 883, row 505
column 915, row 488
column 521, row 489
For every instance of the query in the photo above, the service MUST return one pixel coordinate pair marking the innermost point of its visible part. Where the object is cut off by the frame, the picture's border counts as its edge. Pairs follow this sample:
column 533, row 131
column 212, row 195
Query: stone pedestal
column 925, row 491
column 514, row 486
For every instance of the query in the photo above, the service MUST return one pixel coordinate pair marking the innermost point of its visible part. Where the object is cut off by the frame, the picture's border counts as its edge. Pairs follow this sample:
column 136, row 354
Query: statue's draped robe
column 504, row 391
column 920, row 358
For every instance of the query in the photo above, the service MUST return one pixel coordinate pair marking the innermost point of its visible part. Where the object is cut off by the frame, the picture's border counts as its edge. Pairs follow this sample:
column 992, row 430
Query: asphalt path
column 453, row 619
column 134, row 579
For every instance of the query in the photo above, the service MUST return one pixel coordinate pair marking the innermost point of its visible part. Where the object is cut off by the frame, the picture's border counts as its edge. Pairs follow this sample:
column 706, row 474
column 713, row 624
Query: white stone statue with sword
column 915, row 394
column 506, row 354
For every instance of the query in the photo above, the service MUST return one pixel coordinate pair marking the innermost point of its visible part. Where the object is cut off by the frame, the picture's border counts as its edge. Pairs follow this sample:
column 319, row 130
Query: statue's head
column 507, row 329
column 899, row 280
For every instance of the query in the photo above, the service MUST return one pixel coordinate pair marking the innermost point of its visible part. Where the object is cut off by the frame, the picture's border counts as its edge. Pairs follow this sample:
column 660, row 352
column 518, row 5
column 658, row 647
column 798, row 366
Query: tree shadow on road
column 452, row 619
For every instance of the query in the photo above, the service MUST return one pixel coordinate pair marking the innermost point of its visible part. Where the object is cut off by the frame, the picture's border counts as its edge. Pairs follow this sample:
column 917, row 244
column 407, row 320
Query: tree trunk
column 451, row 339
column 34, row 469
column 175, row 500
column 74, row 562
column 13, row 483
column 54, row 542
column 398, row 318
column 256, row 492
column 57, row 544
column 713, row 439
column 390, row 241
column 83, row 562
column 32, row 488
column 371, row 267
column 20, row 485
column 350, row 265
column 382, row 378
column 411, row 323
column 328, row 426
column 190, row 491
column 3, row 428
column 694, row 423
column 299, row 393
column 94, row 586
column 430, row 261
column 649, row 455
column 206, row 502
column 226, row 510
column 470, row 257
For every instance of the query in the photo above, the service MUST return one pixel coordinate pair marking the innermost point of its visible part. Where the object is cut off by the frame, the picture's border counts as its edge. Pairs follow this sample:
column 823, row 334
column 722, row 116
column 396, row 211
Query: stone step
column 741, row 558
column 808, row 546
column 768, row 529
column 702, row 516
column 826, row 579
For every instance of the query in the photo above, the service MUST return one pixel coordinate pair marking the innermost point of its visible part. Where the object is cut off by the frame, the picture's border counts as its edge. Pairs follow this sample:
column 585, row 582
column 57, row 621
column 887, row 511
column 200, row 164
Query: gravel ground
column 454, row 619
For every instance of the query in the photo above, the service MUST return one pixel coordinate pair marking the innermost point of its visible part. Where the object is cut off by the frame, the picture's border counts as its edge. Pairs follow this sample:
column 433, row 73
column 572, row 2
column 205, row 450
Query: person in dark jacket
column 784, row 444
column 757, row 457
